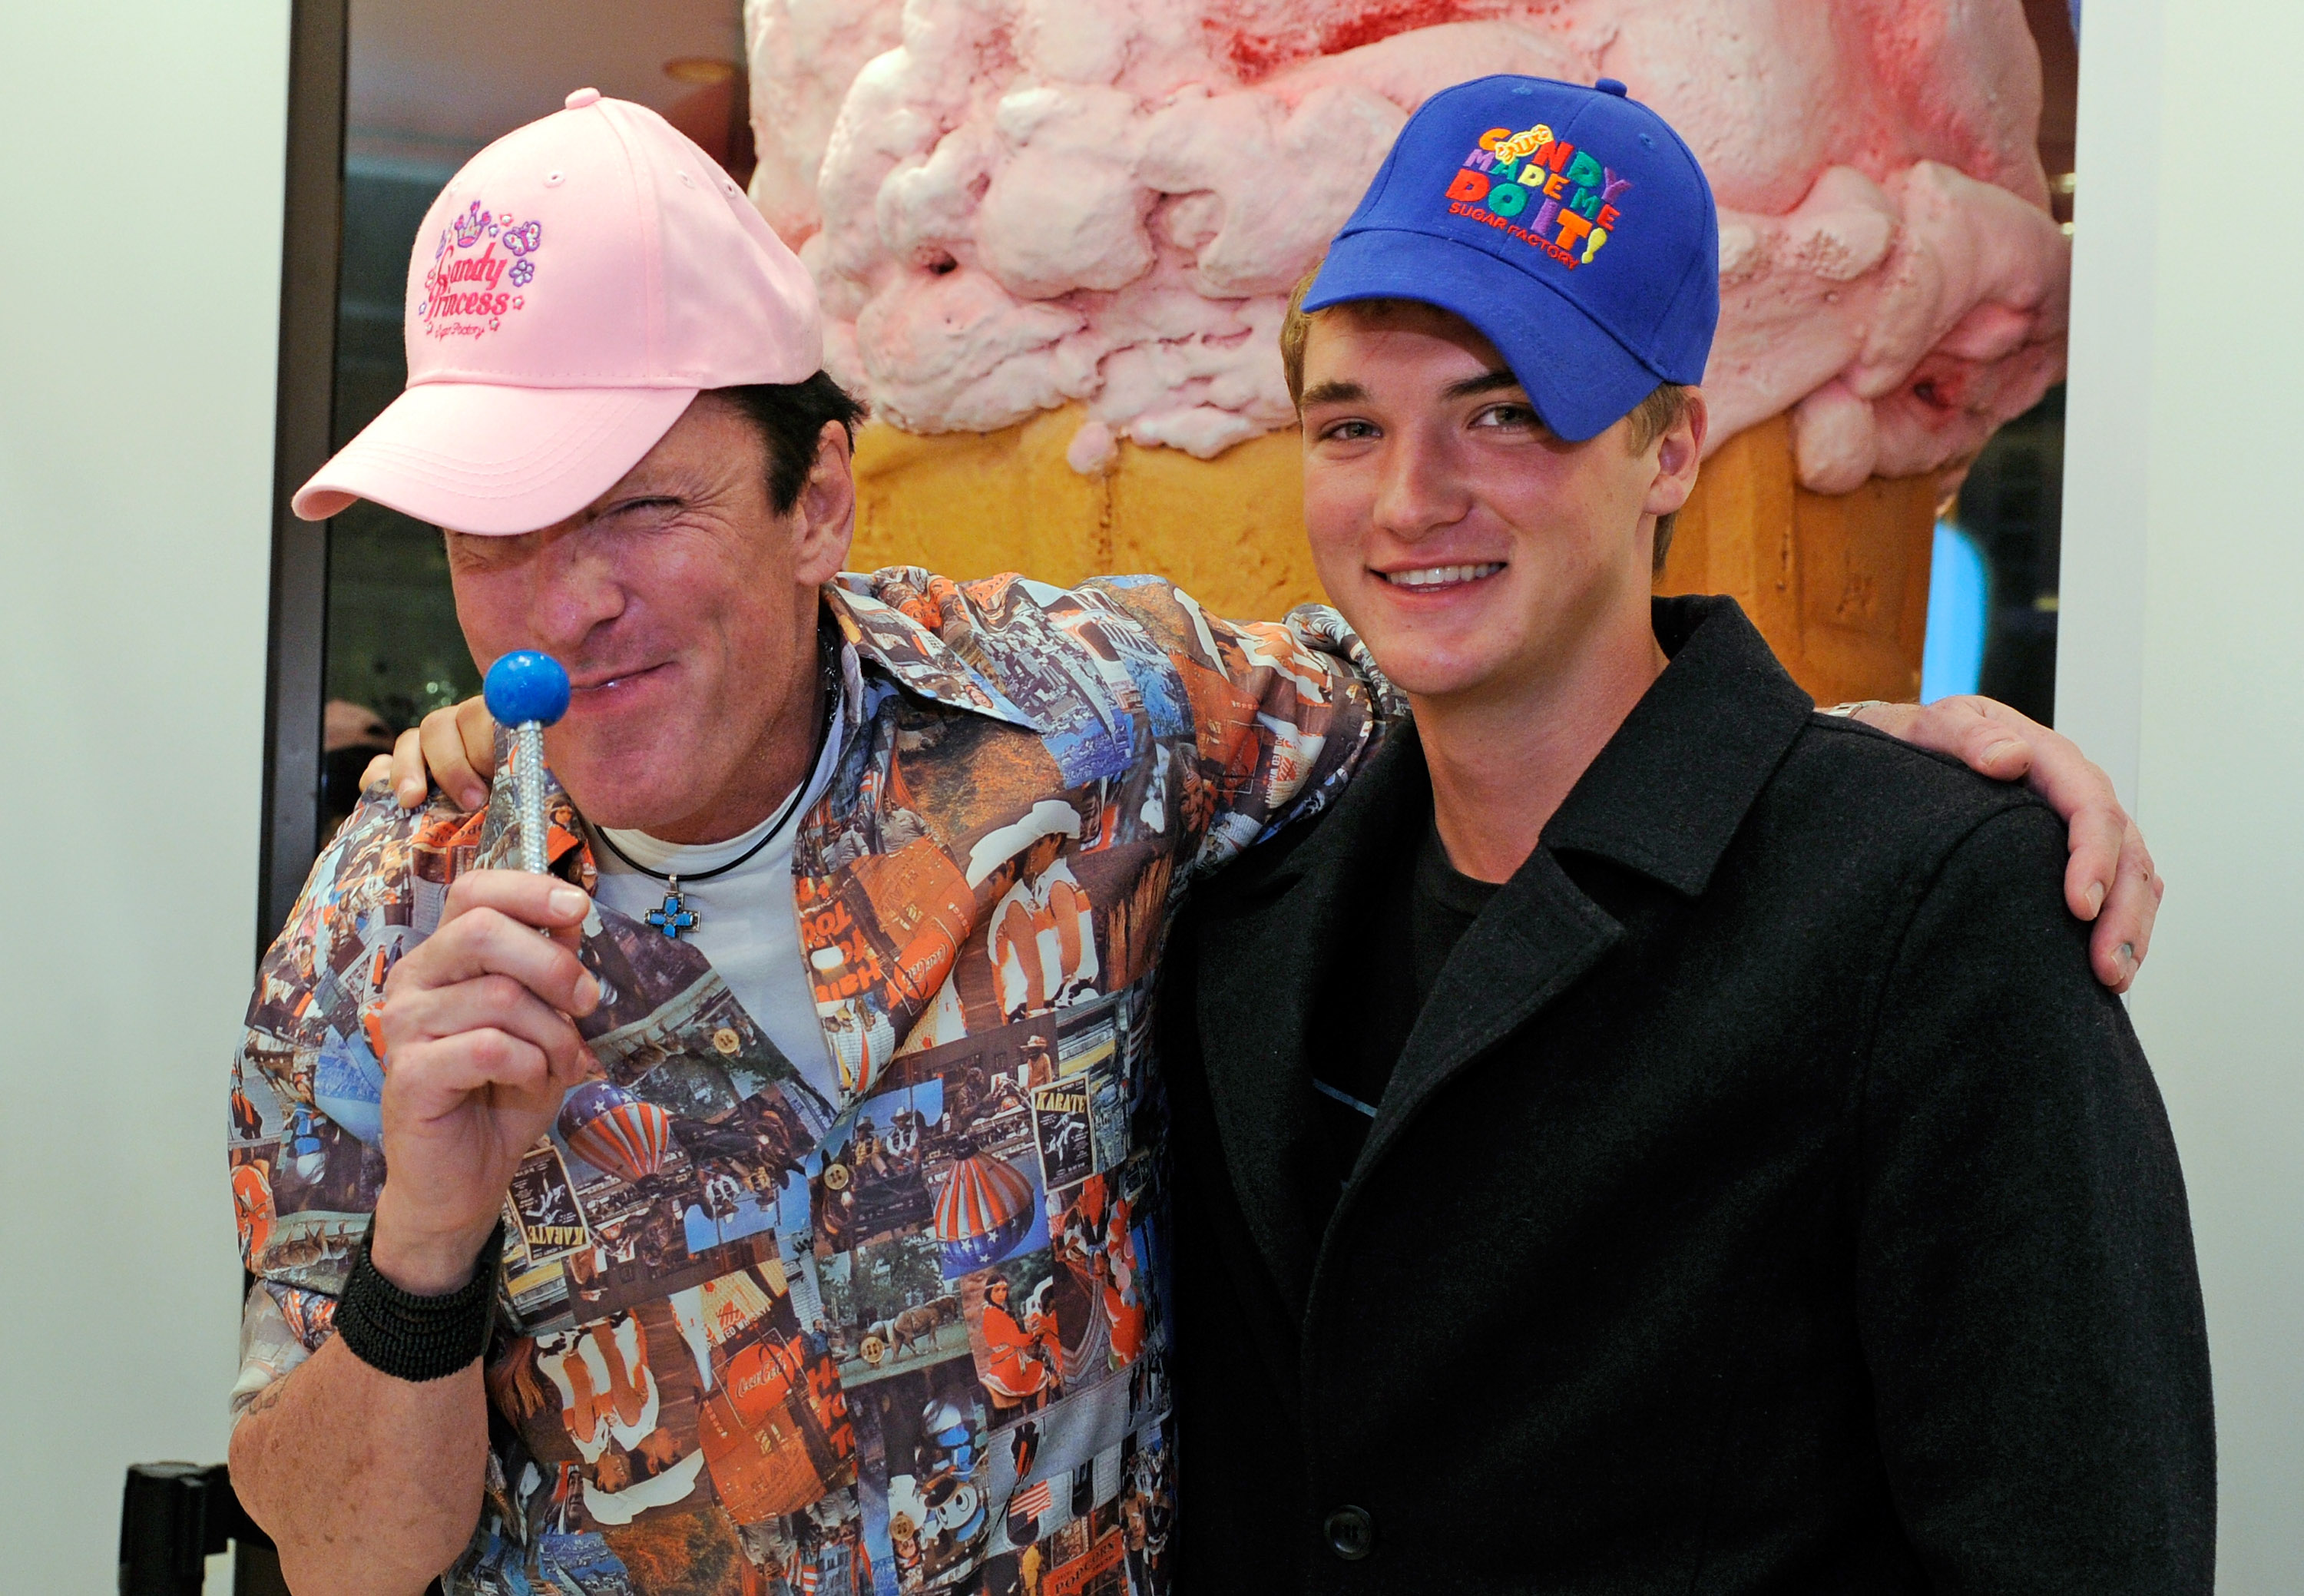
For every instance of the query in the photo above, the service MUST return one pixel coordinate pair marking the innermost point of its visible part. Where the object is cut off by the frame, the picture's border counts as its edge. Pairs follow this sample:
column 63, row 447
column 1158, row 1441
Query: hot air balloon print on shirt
column 614, row 1131
column 987, row 1211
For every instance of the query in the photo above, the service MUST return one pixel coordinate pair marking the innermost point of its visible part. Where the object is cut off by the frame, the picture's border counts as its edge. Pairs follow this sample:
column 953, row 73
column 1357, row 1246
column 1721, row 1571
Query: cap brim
column 1580, row 379
column 476, row 457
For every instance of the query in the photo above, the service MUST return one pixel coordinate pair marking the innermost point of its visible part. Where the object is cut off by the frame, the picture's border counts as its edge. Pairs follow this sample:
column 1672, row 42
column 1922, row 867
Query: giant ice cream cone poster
column 1055, row 243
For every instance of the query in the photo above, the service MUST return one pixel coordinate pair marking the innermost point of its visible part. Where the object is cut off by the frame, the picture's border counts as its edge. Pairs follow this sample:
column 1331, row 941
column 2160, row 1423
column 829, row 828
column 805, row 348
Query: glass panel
column 424, row 93
column 1991, row 593
column 2012, row 506
column 1991, row 602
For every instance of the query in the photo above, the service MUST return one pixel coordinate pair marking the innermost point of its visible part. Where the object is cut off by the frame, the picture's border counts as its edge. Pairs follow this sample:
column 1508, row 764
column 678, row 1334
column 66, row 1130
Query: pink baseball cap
column 572, row 290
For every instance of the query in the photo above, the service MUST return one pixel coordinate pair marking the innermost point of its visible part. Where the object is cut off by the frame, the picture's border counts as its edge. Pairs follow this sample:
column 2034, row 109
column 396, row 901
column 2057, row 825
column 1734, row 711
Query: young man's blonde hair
column 1651, row 418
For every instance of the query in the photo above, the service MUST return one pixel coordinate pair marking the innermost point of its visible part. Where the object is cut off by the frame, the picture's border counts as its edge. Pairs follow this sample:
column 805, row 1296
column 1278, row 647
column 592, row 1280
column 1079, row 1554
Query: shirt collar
column 1670, row 789
column 897, row 642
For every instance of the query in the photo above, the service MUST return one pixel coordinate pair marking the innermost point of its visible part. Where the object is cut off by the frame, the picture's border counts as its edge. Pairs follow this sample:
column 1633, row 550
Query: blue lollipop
column 527, row 691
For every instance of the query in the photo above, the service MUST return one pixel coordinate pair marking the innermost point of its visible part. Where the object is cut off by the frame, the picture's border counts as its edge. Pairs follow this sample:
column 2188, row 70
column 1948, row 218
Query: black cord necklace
column 674, row 916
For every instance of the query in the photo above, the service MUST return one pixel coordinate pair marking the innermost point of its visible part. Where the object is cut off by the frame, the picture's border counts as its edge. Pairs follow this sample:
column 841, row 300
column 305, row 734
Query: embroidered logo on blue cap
column 1578, row 196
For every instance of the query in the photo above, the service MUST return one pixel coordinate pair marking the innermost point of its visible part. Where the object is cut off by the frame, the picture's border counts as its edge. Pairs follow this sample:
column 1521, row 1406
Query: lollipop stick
column 528, row 777
column 527, row 691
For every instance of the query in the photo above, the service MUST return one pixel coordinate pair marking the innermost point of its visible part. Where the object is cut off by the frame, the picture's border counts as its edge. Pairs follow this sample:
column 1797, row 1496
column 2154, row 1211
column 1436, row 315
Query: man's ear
column 1680, row 450
column 824, row 518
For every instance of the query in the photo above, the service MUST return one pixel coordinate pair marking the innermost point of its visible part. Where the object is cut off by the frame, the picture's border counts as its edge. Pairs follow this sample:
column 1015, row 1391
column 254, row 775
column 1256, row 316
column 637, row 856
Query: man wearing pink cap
column 676, row 1278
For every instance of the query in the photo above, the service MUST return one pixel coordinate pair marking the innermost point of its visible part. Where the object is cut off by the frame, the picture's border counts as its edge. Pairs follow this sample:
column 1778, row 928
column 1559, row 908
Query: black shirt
column 1410, row 928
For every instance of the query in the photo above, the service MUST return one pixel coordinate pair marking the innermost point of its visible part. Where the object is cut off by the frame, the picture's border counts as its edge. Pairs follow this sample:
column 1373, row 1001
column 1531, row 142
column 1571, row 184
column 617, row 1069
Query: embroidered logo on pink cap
column 572, row 290
column 464, row 292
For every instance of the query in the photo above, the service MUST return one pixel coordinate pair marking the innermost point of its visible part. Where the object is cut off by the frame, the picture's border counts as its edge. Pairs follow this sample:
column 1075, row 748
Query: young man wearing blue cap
column 1648, row 1136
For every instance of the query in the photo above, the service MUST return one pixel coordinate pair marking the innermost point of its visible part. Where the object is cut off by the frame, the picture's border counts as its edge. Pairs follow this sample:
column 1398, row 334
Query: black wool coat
column 1768, row 1198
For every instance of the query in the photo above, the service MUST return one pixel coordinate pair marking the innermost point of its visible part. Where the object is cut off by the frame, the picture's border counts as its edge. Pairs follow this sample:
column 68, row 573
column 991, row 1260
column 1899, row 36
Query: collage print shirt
column 756, row 1341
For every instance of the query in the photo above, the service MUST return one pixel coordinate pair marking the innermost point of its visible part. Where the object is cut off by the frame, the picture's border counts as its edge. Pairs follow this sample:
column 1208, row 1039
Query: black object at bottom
column 174, row 1516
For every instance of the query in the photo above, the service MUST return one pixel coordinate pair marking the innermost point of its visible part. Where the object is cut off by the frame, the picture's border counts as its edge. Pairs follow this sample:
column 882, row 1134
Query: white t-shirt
column 745, row 921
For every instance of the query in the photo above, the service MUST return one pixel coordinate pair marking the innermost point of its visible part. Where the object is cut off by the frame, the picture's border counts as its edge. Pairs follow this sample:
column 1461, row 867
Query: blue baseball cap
column 1571, row 225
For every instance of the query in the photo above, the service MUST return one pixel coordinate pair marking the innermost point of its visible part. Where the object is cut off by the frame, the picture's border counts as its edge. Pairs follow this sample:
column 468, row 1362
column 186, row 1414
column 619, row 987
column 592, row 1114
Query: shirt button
column 1351, row 1533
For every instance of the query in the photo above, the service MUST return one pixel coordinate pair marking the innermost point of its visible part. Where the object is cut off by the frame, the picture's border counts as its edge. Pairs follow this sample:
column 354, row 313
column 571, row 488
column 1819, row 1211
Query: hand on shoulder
column 2109, row 878
column 454, row 749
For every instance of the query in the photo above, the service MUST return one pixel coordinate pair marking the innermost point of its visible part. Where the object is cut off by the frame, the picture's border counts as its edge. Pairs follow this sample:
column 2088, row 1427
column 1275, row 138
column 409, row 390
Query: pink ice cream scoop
column 1011, row 204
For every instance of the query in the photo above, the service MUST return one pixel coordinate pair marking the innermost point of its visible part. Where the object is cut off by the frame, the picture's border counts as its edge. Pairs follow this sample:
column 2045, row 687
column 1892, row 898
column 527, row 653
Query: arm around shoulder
column 2026, row 1287
column 1282, row 714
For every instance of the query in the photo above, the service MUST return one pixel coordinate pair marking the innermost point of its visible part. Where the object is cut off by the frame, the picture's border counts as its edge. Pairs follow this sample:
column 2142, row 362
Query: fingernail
column 2004, row 745
column 474, row 797
column 2095, row 897
column 568, row 900
column 587, row 994
column 2128, row 955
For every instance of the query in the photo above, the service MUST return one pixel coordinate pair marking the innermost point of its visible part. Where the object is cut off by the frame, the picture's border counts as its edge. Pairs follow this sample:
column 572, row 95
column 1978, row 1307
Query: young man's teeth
column 1434, row 577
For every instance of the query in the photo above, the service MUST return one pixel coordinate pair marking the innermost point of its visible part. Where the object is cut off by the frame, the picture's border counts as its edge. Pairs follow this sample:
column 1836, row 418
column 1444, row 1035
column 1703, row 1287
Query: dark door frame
column 310, row 250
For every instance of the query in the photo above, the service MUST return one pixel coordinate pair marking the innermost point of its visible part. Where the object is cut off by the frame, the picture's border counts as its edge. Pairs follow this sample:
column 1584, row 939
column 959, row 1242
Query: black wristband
column 416, row 1338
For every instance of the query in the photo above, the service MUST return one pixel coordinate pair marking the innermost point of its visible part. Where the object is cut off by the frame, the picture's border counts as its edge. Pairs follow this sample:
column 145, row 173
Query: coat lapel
column 1268, row 941
column 1643, row 803
column 1535, row 938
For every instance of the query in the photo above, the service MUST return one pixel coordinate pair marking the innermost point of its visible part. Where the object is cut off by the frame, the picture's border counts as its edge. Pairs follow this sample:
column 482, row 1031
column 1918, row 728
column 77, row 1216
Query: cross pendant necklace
column 675, row 916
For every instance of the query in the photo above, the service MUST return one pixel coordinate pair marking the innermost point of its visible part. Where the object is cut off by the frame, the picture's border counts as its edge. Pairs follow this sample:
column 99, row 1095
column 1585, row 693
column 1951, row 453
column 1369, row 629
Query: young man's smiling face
column 1476, row 553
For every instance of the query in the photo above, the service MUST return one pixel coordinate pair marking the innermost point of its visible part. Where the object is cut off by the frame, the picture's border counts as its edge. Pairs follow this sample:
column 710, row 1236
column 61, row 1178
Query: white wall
column 141, row 172
column 2181, row 658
